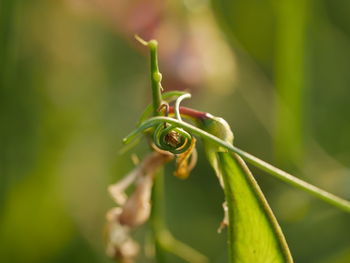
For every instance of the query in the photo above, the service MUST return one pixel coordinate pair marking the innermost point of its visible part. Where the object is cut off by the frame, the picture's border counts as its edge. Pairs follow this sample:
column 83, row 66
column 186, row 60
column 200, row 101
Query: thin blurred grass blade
column 254, row 234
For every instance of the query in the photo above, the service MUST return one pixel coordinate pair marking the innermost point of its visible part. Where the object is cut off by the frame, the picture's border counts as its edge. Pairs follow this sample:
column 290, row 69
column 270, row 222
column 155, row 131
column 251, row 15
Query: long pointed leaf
column 254, row 234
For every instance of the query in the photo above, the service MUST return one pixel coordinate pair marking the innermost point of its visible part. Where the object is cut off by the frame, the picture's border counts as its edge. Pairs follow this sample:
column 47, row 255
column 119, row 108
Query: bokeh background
column 74, row 81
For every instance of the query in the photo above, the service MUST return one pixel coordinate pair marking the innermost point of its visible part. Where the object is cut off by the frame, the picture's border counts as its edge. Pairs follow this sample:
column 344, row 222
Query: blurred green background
column 74, row 81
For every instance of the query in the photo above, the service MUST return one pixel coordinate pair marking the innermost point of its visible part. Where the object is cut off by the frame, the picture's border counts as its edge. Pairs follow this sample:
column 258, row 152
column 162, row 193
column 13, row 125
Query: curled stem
column 177, row 105
column 167, row 97
column 270, row 169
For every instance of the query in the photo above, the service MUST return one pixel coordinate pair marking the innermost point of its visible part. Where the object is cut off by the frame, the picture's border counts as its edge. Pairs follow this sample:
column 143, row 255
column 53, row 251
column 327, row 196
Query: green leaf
column 253, row 233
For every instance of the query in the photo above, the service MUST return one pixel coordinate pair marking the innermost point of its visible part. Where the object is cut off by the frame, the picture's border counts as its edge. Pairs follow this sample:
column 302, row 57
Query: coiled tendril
column 169, row 137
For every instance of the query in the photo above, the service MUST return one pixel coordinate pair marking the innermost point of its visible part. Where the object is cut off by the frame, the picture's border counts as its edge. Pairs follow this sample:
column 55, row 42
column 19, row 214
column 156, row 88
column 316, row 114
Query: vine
column 171, row 137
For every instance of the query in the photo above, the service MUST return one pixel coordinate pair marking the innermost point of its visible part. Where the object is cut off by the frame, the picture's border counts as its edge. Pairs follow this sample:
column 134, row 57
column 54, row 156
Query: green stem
column 157, row 215
column 156, row 77
column 276, row 172
column 291, row 21
column 164, row 241
column 181, row 250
